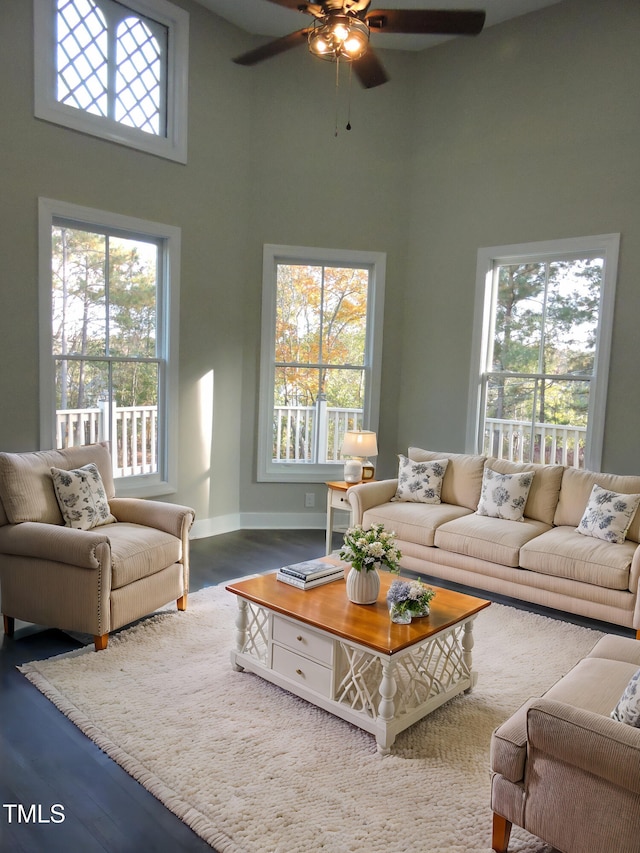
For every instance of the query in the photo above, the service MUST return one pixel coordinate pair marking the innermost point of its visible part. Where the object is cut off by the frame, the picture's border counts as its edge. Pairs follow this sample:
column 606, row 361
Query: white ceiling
column 263, row 18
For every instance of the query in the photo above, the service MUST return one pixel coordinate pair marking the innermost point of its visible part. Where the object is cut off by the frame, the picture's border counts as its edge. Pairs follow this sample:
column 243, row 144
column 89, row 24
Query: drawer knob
column 299, row 672
column 299, row 638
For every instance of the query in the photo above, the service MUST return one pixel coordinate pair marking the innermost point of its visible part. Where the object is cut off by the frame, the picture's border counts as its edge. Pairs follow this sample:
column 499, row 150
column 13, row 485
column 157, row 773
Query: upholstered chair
column 90, row 565
column 566, row 766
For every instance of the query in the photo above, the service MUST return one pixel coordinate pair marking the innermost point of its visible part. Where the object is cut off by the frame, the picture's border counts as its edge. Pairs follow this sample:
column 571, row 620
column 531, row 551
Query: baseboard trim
column 259, row 521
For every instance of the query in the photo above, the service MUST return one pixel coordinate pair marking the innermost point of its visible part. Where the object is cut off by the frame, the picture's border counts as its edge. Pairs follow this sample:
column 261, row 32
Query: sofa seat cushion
column 567, row 554
column 138, row 551
column 413, row 522
column 496, row 540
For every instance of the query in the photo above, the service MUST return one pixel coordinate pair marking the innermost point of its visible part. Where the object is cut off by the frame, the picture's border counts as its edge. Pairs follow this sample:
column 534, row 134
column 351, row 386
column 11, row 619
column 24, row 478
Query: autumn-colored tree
column 320, row 335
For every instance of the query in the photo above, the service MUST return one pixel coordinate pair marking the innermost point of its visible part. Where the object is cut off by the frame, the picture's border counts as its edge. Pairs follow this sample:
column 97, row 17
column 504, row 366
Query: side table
column 336, row 499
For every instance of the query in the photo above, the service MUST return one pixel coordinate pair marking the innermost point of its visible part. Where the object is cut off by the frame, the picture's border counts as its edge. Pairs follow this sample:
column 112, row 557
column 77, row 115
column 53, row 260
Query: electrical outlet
column 309, row 499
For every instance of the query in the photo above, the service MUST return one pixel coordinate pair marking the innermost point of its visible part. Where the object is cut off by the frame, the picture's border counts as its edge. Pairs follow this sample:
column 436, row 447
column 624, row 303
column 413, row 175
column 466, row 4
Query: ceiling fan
column 341, row 28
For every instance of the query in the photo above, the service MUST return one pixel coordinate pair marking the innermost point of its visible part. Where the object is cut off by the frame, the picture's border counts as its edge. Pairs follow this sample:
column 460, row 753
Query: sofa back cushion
column 545, row 488
column 26, row 485
column 463, row 477
column 576, row 490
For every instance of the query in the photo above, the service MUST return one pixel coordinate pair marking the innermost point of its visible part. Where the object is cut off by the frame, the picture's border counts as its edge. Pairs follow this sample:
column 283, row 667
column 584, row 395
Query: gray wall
column 528, row 132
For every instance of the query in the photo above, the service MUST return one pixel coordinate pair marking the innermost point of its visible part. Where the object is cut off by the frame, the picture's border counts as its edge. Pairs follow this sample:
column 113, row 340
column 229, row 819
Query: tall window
column 114, row 70
column 321, row 344
column 109, row 302
column 539, row 394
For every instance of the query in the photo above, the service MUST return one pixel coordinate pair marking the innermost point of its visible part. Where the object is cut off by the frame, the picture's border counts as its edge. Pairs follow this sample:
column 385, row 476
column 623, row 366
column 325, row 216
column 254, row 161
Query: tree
column 320, row 329
column 104, row 313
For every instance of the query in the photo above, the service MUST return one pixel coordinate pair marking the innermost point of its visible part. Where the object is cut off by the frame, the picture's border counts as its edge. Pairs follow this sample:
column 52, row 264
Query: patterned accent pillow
column 81, row 497
column 420, row 482
column 628, row 708
column 608, row 515
column 504, row 495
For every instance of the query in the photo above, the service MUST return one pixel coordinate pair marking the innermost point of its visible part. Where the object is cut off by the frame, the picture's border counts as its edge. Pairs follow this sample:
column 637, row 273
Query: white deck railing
column 293, row 434
column 552, row 443
column 135, row 448
column 134, row 435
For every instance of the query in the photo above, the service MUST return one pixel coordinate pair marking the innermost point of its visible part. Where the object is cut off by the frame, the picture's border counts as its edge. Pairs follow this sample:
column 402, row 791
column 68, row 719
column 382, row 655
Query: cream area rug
column 253, row 769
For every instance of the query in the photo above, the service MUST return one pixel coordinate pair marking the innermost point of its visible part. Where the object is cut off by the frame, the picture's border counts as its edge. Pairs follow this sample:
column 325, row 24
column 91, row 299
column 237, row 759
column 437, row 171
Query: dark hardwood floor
column 45, row 760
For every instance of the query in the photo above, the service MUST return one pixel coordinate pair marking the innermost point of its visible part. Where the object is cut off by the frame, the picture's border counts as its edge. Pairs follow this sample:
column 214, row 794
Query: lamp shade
column 360, row 443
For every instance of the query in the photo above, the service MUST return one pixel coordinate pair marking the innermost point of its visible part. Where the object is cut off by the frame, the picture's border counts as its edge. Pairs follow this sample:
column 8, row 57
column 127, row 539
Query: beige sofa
column 562, row 769
column 94, row 580
column 541, row 559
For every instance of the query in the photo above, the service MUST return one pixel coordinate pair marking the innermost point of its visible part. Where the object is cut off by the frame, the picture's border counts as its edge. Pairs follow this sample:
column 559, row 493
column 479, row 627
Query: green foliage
column 546, row 321
column 104, row 316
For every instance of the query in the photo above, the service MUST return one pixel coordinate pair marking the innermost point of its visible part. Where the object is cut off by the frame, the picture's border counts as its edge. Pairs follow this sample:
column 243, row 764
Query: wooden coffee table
column 350, row 659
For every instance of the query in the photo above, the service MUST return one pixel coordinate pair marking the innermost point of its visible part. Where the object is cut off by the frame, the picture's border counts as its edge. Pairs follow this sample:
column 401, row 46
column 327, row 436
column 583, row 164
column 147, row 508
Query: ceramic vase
column 363, row 587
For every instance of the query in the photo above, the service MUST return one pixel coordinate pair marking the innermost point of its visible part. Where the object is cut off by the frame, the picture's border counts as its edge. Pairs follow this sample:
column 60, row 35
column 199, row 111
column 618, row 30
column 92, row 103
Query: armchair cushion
column 81, row 497
column 137, row 552
column 26, row 487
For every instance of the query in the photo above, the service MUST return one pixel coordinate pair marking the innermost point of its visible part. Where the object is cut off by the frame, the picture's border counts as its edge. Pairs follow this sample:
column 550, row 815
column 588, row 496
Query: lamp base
column 352, row 471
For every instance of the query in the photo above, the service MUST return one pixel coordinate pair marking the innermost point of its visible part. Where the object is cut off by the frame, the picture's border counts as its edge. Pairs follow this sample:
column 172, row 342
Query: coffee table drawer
column 302, row 670
column 303, row 640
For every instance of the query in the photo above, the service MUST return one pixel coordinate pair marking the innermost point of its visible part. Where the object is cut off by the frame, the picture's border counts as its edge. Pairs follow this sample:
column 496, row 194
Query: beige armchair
column 563, row 770
column 91, row 581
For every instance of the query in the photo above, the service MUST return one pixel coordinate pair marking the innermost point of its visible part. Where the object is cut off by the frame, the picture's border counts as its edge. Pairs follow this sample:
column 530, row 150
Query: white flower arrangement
column 367, row 550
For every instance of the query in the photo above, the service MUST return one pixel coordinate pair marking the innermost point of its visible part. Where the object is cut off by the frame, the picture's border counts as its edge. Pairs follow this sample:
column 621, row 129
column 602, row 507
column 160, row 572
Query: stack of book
column 310, row 573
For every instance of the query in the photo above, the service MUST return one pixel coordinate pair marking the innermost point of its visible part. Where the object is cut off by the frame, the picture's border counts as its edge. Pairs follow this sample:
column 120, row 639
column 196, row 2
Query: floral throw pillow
column 81, row 497
column 504, row 495
column 628, row 708
column 608, row 515
column 420, row 482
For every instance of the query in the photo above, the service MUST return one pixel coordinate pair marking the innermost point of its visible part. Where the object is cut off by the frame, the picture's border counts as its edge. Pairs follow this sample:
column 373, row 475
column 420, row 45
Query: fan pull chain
column 349, row 100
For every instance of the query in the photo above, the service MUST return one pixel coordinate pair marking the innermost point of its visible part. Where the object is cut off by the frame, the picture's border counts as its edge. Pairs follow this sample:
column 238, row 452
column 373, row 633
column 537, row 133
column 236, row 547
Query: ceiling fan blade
column 428, row 21
column 369, row 70
column 290, row 4
column 300, row 6
column 273, row 48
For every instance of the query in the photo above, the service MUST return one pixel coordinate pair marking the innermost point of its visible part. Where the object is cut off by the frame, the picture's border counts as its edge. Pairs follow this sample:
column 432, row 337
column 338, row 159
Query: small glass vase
column 399, row 615
column 424, row 610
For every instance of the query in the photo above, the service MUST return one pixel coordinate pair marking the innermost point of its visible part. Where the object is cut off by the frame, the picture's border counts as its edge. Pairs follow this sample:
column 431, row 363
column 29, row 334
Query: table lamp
column 359, row 445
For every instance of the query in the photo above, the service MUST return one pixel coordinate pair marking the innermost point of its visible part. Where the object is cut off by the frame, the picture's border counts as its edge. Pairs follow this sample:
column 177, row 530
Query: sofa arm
column 591, row 742
column 55, row 542
column 161, row 515
column 366, row 495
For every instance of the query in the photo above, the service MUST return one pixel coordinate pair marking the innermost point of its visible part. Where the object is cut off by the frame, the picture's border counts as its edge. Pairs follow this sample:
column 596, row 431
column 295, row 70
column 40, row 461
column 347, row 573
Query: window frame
column 606, row 245
column 304, row 472
column 165, row 480
column 173, row 144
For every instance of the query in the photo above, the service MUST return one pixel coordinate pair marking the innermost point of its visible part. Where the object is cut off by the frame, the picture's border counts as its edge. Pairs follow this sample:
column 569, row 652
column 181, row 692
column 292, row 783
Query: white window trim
column 606, row 244
column 165, row 481
column 173, row 146
column 299, row 472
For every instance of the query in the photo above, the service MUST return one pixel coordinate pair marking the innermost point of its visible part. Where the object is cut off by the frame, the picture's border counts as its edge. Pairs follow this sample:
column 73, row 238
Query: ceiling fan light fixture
column 336, row 37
